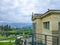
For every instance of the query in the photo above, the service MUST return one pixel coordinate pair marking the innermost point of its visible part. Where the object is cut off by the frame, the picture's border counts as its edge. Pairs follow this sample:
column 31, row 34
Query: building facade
column 47, row 23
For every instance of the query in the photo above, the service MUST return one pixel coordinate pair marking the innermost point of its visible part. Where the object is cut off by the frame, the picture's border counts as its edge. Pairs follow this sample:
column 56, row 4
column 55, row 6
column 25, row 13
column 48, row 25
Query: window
column 34, row 27
column 46, row 25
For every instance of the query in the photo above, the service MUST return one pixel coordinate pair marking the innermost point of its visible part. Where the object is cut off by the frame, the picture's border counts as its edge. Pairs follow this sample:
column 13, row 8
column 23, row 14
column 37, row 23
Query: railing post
column 57, row 40
column 45, row 39
column 25, row 42
column 32, row 39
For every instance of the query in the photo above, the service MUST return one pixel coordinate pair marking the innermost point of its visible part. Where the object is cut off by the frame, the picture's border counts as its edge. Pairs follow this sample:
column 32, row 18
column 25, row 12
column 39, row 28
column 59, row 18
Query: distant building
column 47, row 23
column 1, row 29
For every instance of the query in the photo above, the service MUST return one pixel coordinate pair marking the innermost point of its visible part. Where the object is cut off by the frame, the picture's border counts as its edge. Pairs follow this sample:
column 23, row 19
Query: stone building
column 47, row 23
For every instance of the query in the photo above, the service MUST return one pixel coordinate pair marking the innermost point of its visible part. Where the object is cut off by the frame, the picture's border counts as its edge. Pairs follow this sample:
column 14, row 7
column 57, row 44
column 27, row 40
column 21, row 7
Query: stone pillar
column 54, row 30
column 38, row 31
column 59, row 34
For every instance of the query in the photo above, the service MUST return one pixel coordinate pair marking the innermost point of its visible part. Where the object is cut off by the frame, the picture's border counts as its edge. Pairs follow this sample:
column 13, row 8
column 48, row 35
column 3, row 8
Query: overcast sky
column 21, row 10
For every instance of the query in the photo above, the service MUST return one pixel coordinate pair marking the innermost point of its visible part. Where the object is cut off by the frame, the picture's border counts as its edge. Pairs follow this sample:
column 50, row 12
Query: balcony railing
column 42, row 39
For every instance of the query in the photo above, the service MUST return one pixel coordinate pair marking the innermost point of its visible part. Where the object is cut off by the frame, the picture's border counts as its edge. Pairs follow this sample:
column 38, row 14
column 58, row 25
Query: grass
column 3, row 37
column 6, row 43
column 11, row 39
column 6, row 38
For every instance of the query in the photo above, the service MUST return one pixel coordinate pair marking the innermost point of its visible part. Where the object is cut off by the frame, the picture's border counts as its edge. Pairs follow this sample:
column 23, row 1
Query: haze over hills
column 17, row 25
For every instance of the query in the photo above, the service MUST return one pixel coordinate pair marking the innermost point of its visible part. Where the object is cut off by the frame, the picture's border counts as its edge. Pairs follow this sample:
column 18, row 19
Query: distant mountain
column 18, row 25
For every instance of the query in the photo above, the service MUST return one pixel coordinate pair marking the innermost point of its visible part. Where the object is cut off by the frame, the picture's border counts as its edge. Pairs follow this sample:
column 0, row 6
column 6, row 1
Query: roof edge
column 36, row 16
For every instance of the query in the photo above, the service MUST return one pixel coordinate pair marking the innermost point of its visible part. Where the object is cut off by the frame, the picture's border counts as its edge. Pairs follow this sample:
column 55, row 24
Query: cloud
column 54, row 4
column 21, row 10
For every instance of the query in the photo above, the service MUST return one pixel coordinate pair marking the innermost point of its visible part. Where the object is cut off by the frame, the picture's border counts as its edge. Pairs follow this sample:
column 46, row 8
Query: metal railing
column 42, row 39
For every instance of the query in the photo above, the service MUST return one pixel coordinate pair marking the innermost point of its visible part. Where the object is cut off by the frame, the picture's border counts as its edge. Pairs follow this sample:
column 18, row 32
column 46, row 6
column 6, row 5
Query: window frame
column 46, row 25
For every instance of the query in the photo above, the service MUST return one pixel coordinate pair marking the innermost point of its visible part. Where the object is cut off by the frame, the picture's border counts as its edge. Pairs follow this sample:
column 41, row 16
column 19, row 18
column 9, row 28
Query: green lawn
column 11, row 38
column 3, row 37
column 6, row 38
column 6, row 43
